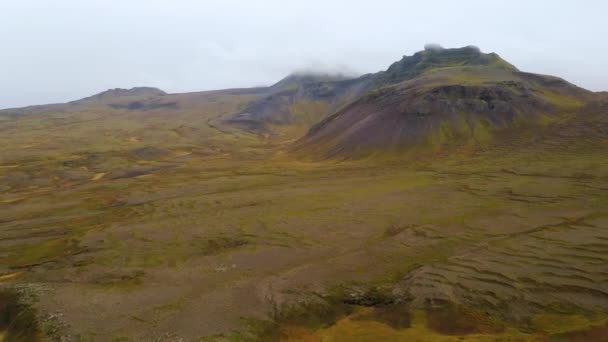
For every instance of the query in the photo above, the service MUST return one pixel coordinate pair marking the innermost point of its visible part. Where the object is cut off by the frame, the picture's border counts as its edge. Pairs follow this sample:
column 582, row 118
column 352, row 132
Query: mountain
column 448, row 197
column 442, row 97
column 437, row 98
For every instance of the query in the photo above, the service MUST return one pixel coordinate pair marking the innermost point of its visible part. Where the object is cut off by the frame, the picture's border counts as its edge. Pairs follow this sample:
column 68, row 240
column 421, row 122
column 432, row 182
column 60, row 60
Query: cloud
column 433, row 47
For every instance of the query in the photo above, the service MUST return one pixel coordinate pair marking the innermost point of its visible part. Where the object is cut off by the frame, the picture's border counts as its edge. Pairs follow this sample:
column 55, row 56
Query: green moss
column 442, row 136
column 451, row 319
column 306, row 112
column 559, row 323
column 563, row 101
column 396, row 315
column 482, row 132
column 43, row 252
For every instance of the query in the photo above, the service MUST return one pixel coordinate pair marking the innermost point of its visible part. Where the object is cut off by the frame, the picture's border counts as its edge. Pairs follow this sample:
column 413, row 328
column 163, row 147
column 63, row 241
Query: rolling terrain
column 451, row 197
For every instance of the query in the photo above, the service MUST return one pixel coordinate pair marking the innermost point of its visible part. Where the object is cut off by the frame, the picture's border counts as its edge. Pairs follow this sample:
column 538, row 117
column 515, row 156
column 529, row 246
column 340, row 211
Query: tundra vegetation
column 450, row 197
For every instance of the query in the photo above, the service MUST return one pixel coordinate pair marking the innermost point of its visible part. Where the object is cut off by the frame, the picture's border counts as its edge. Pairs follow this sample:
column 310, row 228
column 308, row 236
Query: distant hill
column 119, row 92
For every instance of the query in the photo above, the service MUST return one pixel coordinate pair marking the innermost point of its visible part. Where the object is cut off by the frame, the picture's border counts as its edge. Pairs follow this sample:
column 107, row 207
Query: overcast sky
column 61, row 50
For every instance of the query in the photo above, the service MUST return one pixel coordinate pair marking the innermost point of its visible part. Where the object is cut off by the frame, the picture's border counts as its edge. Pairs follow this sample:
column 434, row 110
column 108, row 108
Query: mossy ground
column 227, row 227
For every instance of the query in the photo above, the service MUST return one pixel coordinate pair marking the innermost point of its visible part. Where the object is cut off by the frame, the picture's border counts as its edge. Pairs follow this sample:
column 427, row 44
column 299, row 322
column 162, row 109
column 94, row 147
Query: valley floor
column 208, row 241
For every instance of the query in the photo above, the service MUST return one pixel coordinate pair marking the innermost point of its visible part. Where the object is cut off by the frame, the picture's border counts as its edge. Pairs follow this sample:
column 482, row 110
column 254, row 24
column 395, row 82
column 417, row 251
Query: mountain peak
column 434, row 56
column 438, row 48
column 433, row 47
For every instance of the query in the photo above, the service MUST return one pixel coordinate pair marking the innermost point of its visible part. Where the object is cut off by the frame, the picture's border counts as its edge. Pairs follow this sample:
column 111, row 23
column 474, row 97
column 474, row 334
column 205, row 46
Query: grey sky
column 61, row 50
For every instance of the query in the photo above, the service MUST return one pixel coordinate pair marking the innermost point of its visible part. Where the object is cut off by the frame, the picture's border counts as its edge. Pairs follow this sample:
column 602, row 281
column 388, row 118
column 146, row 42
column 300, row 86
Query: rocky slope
column 300, row 99
column 442, row 96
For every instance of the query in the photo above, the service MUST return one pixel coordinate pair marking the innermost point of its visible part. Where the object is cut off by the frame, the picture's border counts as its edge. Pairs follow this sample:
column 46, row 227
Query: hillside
column 297, row 102
column 441, row 98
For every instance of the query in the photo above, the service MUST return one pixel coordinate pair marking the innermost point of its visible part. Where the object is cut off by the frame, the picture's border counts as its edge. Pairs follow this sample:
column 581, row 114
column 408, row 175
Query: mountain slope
column 299, row 101
column 442, row 97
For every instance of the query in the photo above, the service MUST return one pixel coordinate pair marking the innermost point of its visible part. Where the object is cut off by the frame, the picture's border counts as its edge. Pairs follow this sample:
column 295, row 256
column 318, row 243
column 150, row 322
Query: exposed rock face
column 143, row 105
column 412, row 66
column 392, row 119
column 504, row 99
